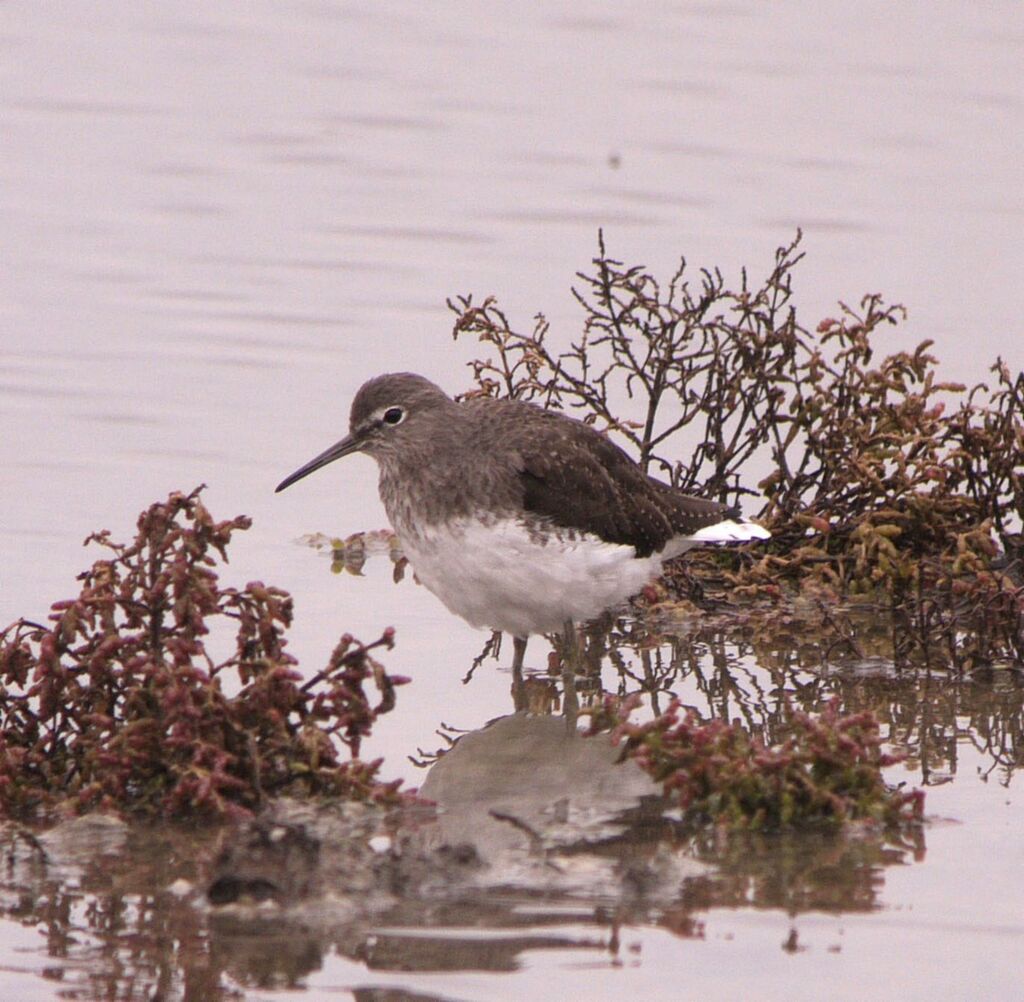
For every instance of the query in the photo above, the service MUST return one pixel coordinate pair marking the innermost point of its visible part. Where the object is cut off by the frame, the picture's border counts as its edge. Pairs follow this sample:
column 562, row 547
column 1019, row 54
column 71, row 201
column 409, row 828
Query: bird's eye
column 394, row 415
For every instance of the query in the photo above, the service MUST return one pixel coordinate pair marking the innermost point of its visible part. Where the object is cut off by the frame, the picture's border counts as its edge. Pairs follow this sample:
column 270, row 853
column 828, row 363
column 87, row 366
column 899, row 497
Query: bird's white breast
column 502, row 575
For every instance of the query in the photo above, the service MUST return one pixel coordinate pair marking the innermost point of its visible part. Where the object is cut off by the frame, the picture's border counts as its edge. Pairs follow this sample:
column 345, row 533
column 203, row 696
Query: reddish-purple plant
column 825, row 770
column 119, row 704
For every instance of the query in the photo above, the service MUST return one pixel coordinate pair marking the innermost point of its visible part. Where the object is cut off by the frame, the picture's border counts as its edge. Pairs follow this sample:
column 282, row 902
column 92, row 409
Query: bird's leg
column 518, row 688
column 570, row 662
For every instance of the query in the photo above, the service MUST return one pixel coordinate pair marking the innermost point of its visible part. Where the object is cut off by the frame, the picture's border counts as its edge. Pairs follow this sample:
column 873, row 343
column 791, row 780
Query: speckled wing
column 688, row 514
column 578, row 479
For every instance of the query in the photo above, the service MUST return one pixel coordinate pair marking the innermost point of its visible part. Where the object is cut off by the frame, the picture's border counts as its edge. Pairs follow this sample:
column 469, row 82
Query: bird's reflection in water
column 524, row 782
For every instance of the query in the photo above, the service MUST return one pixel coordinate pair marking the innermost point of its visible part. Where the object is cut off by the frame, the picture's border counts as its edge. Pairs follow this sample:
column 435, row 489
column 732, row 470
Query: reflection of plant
column 116, row 930
column 886, row 479
column 796, row 871
column 120, row 704
column 349, row 555
column 822, row 770
column 113, row 930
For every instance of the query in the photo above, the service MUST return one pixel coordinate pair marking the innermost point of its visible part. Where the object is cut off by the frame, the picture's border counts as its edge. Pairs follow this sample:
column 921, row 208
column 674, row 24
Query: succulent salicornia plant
column 118, row 703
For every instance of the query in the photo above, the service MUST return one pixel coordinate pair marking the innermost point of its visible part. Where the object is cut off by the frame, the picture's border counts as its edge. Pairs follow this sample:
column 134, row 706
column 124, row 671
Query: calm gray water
column 219, row 219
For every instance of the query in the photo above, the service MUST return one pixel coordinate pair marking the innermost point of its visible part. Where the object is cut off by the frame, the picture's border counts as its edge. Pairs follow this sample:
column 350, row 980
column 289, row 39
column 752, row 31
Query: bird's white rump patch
column 730, row 531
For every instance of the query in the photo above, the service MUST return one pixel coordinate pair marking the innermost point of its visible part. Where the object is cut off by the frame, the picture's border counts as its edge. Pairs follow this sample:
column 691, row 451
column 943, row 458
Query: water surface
column 220, row 219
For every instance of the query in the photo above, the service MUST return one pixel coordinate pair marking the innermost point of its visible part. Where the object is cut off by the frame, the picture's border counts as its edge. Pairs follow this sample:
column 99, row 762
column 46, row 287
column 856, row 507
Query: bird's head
column 385, row 416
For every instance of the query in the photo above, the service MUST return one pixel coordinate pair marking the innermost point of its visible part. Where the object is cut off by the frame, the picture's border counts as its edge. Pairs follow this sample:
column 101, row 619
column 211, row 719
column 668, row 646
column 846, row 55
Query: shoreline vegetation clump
column 823, row 770
column 890, row 488
column 118, row 703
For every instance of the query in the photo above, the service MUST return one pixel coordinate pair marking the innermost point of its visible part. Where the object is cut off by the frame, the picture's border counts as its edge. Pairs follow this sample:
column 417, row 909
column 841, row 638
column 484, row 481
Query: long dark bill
column 347, row 445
